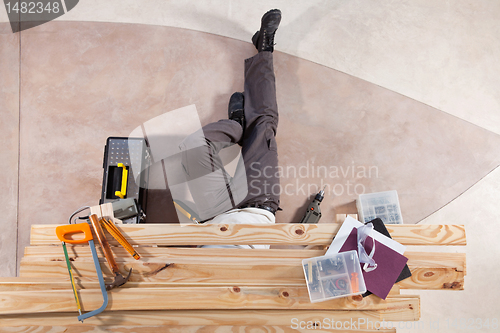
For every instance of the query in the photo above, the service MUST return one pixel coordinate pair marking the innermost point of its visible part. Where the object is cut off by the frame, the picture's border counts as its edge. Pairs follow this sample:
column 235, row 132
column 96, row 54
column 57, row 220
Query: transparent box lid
column 333, row 276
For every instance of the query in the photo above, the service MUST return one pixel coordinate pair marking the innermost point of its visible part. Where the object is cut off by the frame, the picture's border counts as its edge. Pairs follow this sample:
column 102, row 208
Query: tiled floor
column 409, row 89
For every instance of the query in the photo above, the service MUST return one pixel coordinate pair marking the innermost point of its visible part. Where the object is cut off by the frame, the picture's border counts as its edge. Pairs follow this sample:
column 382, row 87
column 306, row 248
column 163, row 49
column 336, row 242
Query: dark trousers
column 256, row 180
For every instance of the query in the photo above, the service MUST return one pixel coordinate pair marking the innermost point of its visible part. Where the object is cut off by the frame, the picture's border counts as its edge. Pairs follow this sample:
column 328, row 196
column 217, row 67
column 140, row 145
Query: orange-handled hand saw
column 62, row 232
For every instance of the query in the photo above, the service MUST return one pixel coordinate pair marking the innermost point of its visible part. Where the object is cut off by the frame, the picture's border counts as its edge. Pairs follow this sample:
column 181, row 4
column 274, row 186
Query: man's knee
column 197, row 139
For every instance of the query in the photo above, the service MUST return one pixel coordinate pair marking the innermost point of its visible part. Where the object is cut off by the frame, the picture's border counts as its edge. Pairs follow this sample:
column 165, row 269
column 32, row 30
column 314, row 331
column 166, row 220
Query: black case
column 134, row 154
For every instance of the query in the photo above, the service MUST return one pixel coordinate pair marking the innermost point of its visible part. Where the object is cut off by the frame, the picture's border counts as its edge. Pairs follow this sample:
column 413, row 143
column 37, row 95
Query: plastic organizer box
column 333, row 276
column 384, row 205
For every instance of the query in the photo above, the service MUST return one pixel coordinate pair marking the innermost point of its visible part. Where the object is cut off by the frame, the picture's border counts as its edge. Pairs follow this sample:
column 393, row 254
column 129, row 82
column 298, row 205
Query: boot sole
column 255, row 37
column 239, row 97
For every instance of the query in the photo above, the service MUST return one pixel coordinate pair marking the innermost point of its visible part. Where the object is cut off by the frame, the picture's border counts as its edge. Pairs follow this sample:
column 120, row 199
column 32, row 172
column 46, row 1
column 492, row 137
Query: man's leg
column 260, row 152
column 257, row 183
column 259, row 149
column 212, row 189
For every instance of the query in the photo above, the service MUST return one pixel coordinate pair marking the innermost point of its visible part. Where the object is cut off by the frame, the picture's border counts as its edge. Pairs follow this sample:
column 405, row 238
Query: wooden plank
column 40, row 283
column 435, row 271
column 427, row 234
column 205, row 255
column 44, row 284
column 74, row 251
column 395, row 290
column 207, row 317
column 434, row 279
column 282, row 234
column 396, row 313
column 189, row 298
column 437, row 260
column 186, row 255
column 185, row 274
column 34, row 284
column 423, row 278
column 175, row 273
column 187, row 329
column 431, row 270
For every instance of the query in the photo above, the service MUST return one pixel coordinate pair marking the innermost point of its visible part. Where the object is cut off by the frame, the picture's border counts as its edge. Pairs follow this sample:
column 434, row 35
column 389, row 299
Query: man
column 252, row 195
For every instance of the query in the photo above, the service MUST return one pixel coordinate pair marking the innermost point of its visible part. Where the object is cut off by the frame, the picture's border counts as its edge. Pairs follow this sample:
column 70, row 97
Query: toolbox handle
column 123, row 191
column 63, row 230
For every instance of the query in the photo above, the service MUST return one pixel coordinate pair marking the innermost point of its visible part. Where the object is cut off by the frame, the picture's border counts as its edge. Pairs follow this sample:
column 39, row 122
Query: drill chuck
column 320, row 195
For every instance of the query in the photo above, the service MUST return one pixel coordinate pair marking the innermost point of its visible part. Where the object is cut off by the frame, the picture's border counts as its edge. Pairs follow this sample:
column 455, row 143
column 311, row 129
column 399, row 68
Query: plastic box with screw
column 383, row 205
column 333, row 276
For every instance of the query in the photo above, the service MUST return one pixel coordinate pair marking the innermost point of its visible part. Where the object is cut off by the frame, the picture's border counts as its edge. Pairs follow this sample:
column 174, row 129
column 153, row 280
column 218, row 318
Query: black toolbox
column 126, row 174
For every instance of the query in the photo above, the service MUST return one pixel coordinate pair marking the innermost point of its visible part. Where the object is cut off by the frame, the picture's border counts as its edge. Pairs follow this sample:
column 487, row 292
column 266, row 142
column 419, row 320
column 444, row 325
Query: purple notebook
column 389, row 264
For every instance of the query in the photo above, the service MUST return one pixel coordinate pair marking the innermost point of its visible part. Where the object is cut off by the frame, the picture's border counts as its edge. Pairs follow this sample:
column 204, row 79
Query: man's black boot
column 236, row 108
column 264, row 38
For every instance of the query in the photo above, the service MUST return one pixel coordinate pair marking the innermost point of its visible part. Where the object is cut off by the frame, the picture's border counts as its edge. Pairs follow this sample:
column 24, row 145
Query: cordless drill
column 313, row 213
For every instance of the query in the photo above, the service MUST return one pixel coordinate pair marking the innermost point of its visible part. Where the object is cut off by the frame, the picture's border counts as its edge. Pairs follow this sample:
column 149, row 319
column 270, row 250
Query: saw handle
column 63, row 230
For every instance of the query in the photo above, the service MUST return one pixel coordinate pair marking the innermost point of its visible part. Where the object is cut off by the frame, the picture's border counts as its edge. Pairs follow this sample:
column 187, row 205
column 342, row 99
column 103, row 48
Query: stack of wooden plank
column 177, row 288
